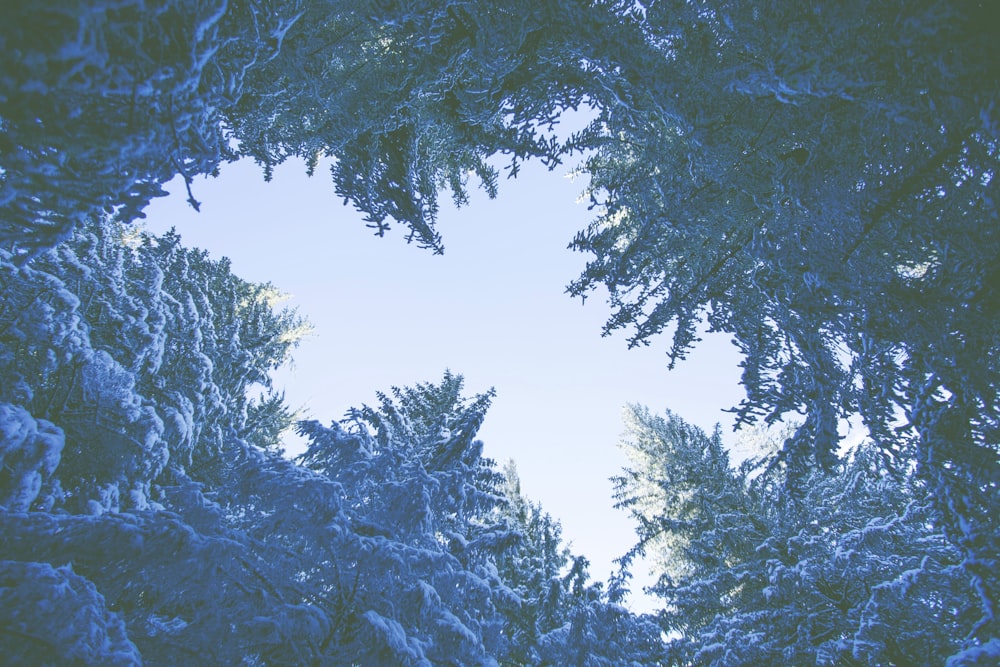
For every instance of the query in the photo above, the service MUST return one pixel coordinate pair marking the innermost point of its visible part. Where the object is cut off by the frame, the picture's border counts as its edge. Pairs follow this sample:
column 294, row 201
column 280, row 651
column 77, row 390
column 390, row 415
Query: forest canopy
column 816, row 182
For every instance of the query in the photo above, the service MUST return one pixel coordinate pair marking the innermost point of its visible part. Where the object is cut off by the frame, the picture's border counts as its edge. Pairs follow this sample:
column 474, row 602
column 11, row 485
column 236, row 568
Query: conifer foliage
column 817, row 181
column 146, row 508
column 101, row 103
column 853, row 571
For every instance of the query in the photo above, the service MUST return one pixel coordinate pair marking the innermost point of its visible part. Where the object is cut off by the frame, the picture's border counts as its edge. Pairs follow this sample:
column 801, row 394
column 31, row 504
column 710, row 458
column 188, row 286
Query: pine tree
column 409, row 98
column 101, row 103
column 128, row 367
column 819, row 183
column 853, row 571
column 413, row 576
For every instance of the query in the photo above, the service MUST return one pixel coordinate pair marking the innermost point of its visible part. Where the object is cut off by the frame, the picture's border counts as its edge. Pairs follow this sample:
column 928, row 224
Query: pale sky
column 492, row 308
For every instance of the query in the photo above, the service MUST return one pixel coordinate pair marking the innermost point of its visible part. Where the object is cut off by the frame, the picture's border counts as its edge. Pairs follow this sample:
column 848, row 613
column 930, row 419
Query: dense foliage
column 819, row 182
column 101, row 103
column 147, row 515
column 853, row 571
column 414, row 97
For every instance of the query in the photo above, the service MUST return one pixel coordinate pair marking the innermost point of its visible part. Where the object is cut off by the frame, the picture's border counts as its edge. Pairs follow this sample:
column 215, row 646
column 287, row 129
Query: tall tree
column 129, row 366
column 413, row 579
column 534, row 568
column 853, row 571
column 145, row 353
column 819, row 183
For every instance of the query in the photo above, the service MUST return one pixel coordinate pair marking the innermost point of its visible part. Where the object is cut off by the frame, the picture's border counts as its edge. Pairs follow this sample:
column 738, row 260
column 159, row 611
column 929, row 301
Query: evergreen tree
column 533, row 568
column 101, row 103
column 128, row 368
column 414, row 97
column 853, row 571
column 819, row 183
column 413, row 577
column 145, row 354
column 562, row 617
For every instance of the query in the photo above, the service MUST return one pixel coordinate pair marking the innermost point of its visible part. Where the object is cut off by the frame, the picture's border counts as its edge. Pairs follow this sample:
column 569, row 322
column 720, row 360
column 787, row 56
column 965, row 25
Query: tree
column 410, row 98
column 108, row 452
column 101, row 103
column 151, row 349
column 411, row 578
column 86, row 633
column 533, row 568
column 692, row 514
column 129, row 366
column 853, row 571
column 562, row 617
column 819, row 183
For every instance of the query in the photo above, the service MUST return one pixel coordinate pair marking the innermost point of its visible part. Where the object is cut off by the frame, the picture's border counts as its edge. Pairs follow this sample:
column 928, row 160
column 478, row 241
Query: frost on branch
column 29, row 453
column 853, row 570
column 51, row 615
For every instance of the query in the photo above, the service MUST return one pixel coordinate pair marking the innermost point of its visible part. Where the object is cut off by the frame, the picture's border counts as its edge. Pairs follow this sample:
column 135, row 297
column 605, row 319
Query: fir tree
column 853, row 571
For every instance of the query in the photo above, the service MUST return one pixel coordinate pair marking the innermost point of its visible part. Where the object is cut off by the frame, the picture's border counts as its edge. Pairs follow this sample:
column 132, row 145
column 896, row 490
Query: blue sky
column 492, row 308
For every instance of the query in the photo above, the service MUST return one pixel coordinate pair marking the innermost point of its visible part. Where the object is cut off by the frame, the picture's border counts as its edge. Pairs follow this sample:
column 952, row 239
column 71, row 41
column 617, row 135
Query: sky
column 493, row 308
